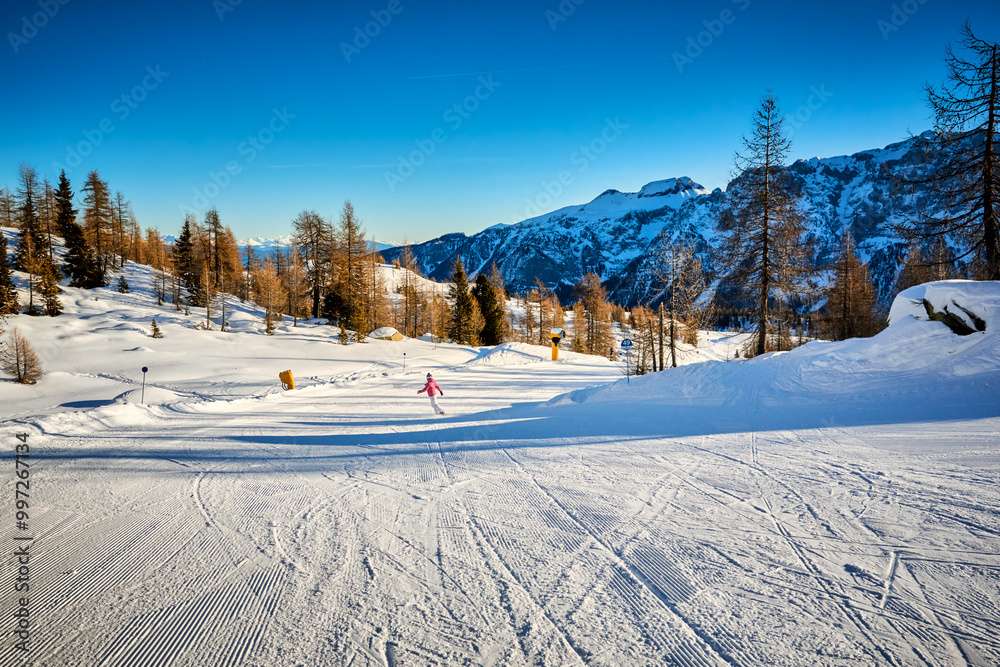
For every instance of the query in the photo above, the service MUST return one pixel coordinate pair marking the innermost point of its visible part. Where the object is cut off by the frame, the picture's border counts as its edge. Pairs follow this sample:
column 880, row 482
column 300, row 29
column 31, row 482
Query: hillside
column 619, row 235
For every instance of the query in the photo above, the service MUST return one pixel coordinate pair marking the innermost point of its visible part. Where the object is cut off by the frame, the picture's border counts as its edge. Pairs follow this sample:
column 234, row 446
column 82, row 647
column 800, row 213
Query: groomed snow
column 839, row 504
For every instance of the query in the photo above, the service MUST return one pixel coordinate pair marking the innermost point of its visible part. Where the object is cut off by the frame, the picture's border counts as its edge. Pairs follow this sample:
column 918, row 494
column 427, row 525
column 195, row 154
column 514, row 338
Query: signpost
column 142, row 394
column 627, row 346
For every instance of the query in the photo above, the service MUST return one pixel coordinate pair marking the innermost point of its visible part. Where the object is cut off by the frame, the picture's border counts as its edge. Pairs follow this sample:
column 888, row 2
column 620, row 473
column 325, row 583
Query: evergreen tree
column 8, row 292
column 461, row 327
column 155, row 330
column 65, row 213
column 491, row 298
column 49, row 290
column 764, row 249
column 966, row 185
column 851, row 300
column 185, row 264
column 122, row 284
column 81, row 265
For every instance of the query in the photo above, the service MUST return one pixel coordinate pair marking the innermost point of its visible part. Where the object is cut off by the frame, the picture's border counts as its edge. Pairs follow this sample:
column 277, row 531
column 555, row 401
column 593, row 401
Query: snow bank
column 915, row 370
column 510, row 354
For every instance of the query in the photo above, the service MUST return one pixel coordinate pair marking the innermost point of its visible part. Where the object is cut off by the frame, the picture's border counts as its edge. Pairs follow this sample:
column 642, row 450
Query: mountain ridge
column 618, row 234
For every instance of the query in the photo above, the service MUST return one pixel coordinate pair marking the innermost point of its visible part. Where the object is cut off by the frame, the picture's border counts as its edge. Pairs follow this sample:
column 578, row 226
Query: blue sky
column 446, row 116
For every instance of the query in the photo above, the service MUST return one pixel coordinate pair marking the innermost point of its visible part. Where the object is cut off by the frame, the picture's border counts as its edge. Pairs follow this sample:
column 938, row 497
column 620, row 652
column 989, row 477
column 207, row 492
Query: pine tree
column 462, row 327
column 122, row 284
column 491, row 298
column 65, row 213
column 764, row 248
column 851, row 299
column 49, row 290
column 8, row 292
column 81, row 265
column 966, row 185
column 185, row 264
column 155, row 330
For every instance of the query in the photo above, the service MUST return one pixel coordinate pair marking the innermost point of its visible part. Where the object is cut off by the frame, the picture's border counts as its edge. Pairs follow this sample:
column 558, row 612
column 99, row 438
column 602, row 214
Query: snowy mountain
column 264, row 246
column 618, row 234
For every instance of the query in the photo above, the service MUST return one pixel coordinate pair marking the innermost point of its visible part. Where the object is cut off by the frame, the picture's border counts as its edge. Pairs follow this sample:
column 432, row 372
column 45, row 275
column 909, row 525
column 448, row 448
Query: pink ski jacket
column 431, row 388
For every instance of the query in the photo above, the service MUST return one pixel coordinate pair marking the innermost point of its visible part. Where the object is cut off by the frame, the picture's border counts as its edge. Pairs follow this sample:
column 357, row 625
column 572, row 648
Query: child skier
column 433, row 390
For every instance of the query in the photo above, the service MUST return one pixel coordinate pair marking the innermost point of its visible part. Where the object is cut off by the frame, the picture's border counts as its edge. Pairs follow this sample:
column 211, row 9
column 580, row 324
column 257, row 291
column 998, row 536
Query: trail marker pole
column 142, row 395
column 627, row 346
column 404, row 361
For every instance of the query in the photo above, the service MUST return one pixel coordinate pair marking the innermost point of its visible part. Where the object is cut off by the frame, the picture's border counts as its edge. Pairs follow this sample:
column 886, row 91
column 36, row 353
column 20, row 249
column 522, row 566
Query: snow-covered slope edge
column 916, row 370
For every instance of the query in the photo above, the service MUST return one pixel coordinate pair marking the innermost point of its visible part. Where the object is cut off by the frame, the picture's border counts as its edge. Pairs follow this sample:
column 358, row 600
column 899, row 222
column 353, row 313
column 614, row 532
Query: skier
column 433, row 389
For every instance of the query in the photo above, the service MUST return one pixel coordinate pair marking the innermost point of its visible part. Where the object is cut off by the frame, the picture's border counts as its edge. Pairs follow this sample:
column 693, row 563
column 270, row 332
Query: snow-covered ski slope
column 839, row 504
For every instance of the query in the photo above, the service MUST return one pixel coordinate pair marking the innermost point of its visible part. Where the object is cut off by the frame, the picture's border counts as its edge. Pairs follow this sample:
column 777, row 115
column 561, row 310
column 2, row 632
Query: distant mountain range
column 268, row 247
column 617, row 235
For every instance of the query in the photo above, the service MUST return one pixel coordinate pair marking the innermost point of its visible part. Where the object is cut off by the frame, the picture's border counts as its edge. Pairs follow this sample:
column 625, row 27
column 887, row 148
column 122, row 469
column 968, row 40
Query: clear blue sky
column 259, row 108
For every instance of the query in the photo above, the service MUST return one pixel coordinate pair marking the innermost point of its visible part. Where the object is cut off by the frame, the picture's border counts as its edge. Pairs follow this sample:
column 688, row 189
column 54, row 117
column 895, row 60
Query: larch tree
column 764, row 249
column 597, row 315
column 314, row 237
column 915, row 270
column 294, row 281
column 215, row 231
column 683, row 282
column 31, row 240
column 851, row 300
column 966, row 184
column 97, row 221
column 579, row 327
column 268, row 294
column 19, row 360
column 8, row 291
